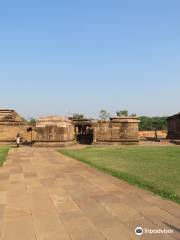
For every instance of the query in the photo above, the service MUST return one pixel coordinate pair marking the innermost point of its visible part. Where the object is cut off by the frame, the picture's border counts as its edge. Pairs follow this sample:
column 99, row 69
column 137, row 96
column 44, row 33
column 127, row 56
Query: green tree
column 152, row 123
column 122, row 113
column 104, row 115
column 31, row 121
column 78, row 116
column 133, row 115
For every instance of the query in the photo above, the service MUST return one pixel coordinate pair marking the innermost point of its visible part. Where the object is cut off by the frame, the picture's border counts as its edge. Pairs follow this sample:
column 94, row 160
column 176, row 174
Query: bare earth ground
column 47, row 196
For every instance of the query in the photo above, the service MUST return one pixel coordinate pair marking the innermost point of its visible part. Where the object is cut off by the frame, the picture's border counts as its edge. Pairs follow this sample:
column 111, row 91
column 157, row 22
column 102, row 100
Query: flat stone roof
column 53, row 120
column 174, row 116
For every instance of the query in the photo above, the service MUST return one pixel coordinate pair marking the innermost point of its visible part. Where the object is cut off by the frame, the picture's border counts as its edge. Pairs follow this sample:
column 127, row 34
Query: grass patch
column 153, row 168
column 3, row 153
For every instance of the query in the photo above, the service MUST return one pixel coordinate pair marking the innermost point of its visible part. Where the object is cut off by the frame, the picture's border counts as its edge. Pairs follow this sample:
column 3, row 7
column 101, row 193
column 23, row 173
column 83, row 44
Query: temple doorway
column 84, row 131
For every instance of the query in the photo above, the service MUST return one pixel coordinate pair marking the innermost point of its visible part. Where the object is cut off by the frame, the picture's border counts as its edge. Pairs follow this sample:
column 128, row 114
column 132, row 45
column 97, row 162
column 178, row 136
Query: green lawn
column 154, row 168
column 3, row 153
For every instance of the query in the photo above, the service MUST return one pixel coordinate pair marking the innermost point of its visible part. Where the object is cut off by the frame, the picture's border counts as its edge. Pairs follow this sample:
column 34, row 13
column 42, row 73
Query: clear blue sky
column 66, row 56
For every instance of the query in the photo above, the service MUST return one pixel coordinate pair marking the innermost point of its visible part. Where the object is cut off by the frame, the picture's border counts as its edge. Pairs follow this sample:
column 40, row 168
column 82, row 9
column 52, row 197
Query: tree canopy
column 152, row 123
column 146, row 123
column 122, row 113
column 78, row 116
column 31, row 121
column 104, row 115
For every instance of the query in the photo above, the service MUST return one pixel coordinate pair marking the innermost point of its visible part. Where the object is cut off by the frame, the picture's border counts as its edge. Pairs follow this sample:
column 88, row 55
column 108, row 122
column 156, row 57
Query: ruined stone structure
column 10, row 118
column 11, row 124
column 119, row 130
column 54, row 131
column 84, row 130
column 174, row 127
column 61, row 131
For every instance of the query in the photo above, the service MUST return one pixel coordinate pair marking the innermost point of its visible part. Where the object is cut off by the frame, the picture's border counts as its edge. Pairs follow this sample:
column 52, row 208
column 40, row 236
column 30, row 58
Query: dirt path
column 46, row 196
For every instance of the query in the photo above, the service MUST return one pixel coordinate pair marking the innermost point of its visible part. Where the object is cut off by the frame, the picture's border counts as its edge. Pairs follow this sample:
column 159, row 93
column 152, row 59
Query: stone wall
column 54, row 129
column 174, row 127
column 151, row 134
column 9, row 133
column 117, row 130
column 11, row 123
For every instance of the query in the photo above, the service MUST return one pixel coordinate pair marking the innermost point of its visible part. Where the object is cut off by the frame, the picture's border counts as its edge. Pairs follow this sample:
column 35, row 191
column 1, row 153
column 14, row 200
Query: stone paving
column 47, row 196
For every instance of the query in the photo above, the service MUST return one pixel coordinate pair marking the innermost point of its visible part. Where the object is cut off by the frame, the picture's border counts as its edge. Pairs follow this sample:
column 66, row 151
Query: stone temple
column 63, row 131
column 10, row 118
column 174, row 127
column 119, row 130
column 54, row 131
column 11, row 124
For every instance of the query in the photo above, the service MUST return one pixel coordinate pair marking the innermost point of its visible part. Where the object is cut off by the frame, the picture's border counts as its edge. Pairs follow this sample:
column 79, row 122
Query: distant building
column 118, row 130
column 54, row 131
column 62, row 131
column 174, row 127
column 10, row 118
column 11, row 124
